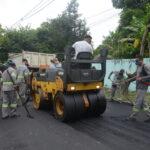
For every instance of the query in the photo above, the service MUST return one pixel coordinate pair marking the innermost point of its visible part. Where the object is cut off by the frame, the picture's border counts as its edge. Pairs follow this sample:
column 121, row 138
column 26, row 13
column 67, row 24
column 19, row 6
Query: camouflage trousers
column 1, row 98
column 9, row 103
column 22, row 91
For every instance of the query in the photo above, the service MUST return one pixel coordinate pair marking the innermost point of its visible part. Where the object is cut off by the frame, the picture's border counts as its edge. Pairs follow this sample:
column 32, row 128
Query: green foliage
column 130, row 3
column 3, row 55
column 3, row 49
column 64, row 30
column 3, row 45
column 134, row 18
column 21, row 39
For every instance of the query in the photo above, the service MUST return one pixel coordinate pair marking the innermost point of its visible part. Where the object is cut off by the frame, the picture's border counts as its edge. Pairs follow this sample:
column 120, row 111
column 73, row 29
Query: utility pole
column 144, row 39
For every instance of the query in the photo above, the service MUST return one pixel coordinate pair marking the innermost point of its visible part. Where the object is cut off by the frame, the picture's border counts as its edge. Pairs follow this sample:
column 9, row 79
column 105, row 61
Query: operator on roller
column 83, row 46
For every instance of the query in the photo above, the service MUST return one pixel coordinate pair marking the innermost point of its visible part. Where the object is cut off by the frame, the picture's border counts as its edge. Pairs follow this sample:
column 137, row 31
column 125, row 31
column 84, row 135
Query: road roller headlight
column 97, row 86
column 72, row 88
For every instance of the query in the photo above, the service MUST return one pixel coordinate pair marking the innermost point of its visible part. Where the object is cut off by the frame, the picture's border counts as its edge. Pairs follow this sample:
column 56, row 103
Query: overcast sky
column 100, row 15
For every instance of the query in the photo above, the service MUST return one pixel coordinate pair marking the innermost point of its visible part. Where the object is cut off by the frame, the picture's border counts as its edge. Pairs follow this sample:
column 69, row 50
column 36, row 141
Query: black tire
column 64, row 107
column 70, row 102
column 79, row 106
column 102, row 103
column 45, row 104
column 92, row 97
column 97, row 103
column 50, row 102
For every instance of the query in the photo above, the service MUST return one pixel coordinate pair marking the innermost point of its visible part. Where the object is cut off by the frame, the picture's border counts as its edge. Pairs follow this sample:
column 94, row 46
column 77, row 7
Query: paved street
column 110, row 132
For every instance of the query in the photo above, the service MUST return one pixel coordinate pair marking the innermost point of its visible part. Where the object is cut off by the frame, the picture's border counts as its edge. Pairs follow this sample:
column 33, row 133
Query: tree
column 3, row 54
column 64, row 30
column 3, row 46
column 145, row 39
column 130, row 3
column 22, row 39
column 128, row 36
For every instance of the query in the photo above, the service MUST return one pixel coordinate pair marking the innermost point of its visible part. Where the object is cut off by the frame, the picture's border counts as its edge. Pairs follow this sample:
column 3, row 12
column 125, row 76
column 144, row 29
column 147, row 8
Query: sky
column 100, row 15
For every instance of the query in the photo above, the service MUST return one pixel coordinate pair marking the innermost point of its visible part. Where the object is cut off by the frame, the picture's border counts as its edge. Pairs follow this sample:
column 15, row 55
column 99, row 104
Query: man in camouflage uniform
column 9, row 103
column 141, row 87
column 23, row 79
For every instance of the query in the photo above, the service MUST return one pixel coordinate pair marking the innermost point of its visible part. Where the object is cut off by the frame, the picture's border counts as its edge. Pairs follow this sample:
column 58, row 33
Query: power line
column 40, row 9
column 33, row 9
column 97, row 25
column 102, row 20
column 28, row 13
column 105, row 11
column 36, row 9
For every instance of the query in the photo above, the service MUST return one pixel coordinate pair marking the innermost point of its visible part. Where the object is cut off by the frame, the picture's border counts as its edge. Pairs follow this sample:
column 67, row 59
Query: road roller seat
column 82, row 69
column 84, row 55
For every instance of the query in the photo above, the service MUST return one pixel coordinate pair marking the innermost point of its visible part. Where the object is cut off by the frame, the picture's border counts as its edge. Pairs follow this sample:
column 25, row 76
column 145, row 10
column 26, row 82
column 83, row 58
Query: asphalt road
column 110, row 132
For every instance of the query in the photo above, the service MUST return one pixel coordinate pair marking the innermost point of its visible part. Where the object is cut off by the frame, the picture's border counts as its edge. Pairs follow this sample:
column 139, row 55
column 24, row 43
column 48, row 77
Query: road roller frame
column 73, row 91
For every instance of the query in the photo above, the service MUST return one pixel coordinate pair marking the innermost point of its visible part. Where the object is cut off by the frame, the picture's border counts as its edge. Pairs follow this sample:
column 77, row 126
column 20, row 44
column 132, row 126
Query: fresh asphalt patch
column 110, row 132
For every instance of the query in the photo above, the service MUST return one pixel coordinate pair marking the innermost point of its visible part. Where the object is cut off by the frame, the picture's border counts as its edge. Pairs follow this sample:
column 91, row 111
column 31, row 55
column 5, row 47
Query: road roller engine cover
column 73, row 91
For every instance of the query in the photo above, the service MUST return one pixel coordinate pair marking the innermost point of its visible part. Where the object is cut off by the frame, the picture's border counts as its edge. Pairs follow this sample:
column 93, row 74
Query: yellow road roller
column 73, row 91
